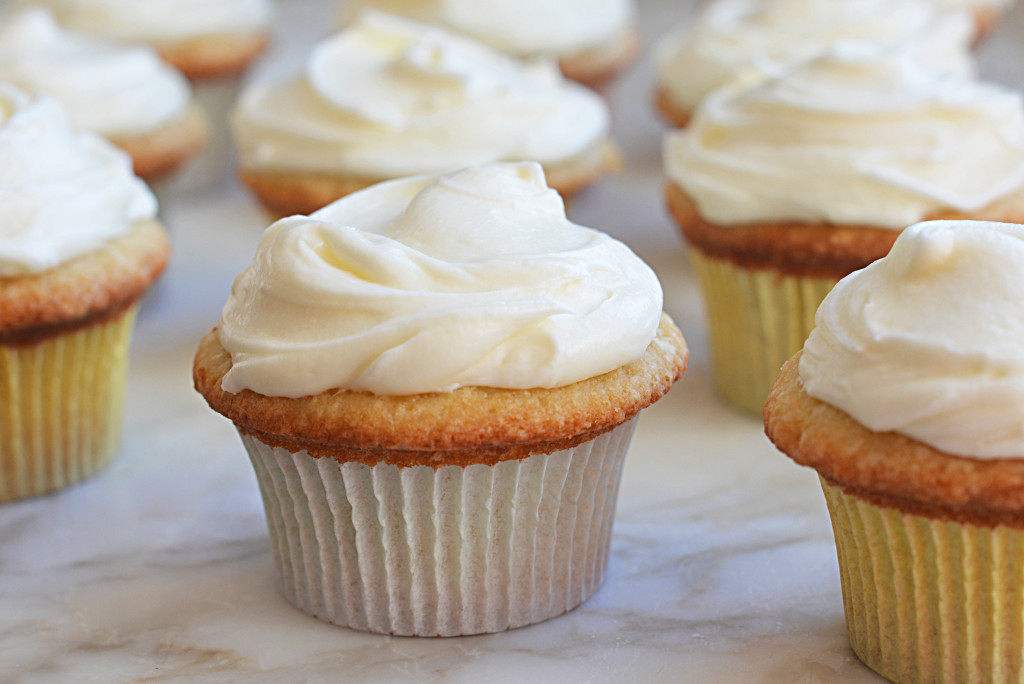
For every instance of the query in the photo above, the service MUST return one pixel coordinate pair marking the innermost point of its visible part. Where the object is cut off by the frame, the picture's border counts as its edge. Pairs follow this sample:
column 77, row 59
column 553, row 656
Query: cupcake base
column 61, row 401
column 757, row 319
column 929, row 600
column 446, row 551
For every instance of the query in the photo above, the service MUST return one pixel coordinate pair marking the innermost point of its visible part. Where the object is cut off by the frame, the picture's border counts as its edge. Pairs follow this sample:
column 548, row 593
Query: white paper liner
column 458, row 550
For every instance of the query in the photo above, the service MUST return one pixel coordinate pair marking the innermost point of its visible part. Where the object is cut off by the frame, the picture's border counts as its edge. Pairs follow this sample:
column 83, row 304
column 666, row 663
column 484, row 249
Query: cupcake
column 78, row 247
column 592, row 40
column 908, row 400
column 750, row 39
column 436, row 379
column 986, row 13
column 127, row 94
column 389, row 97
column 784, row 188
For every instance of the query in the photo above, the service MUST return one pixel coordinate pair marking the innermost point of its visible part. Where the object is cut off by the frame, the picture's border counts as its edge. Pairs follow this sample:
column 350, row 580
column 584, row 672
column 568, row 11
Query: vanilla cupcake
column 436, row 379
column 79, row 245
column 751, row 39
column 784, row 188
column 388, row 98
column 592, row 40
column 908, row 400
column 127, row 94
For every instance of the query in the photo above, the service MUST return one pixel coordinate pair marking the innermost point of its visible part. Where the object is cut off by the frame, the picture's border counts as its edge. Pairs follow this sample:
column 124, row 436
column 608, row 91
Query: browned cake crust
column 212, row 56
column 288, row 193
column 596, row 66
column 889, row 469
column 86, row 290
column 817, row 250
column 674, row 115
column 466, row 426
column 161, row 151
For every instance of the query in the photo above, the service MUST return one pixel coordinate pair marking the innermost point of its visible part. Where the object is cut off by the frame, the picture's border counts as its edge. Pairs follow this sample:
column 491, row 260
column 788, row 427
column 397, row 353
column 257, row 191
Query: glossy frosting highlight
column 426, row 284
column 109, row 88
column 929, row 341
column 743, row 39
column 389, row 97
column 860, row 136
column 64, row 192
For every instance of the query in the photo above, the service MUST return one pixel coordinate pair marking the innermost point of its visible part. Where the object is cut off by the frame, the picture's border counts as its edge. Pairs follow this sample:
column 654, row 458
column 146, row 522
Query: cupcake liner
column 757, row 320
column 60, row 407
column 456, row 550
column 929, row 600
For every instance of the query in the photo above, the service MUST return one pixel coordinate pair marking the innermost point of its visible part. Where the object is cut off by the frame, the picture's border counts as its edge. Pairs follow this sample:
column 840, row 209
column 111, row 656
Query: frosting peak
column 64, row 192
column 389, row 97
column 430, row 283
column 929, row 341
column 857, row 136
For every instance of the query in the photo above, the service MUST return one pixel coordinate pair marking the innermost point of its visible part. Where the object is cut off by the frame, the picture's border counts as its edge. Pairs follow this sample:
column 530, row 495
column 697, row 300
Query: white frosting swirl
column 389, row 97
column 526, row 27
column 108, row 88
column 736, row 39
column 158, row 21
column 425, row 284
column 929, row 341
column 856, row 137
column 64, row 192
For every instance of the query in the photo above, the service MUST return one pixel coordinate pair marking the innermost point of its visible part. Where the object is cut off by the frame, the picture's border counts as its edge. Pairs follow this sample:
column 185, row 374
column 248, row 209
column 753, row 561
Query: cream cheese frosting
column 426, row 284
column 390, row 97
column 64, row 192
column 859, row 136
column 929, row 341
column 742, row 39
column 526, row 27
column 158, row 21
column 112, row 89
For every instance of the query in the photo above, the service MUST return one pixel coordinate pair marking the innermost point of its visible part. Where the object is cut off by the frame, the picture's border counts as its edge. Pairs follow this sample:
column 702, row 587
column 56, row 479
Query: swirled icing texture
column 158, row 21
column 742, row 39
column 112, row 89
column 856, row 137
column 64, row 192
column 390, row 97
column 929, row 341
column 429, row 283
column 526, row 27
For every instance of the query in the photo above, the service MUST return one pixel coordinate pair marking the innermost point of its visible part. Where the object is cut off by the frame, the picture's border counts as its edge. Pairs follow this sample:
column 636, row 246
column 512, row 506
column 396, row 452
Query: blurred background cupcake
column 389, row 97
column 592, row 40
column 212, row 42
column 125, row 93
column 749, row 39
column 908, row 400
column 450, row 371
column 986, row 13
column 79, row 246
column 783, row 188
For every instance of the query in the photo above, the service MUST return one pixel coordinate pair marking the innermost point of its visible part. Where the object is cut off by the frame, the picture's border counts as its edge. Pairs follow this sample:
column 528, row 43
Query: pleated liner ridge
column 757, row 319
column 61, row 402
column 930, row 600
column 458, row 550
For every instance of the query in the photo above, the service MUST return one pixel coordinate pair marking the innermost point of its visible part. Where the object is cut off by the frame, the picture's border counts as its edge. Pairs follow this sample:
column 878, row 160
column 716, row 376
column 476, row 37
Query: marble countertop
column 159, row 569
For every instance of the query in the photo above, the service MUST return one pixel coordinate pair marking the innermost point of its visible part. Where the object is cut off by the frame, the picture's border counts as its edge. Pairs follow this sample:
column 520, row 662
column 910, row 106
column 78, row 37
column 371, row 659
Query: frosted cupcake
column 436, row 379
column 750, row 39
column 908, row 399
column 784, row 188
column 127, row 94
column 389, row 97
column 78, row 247
column 592, row 40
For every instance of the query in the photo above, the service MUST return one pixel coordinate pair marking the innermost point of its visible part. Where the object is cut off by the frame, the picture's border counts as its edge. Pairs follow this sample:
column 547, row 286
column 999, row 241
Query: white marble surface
column 159, row 570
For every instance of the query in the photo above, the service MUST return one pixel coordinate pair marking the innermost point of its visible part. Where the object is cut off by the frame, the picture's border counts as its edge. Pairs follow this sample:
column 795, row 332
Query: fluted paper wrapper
column 929, row 600
column 757, row 320
column 456, row 550
column 60, row 407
